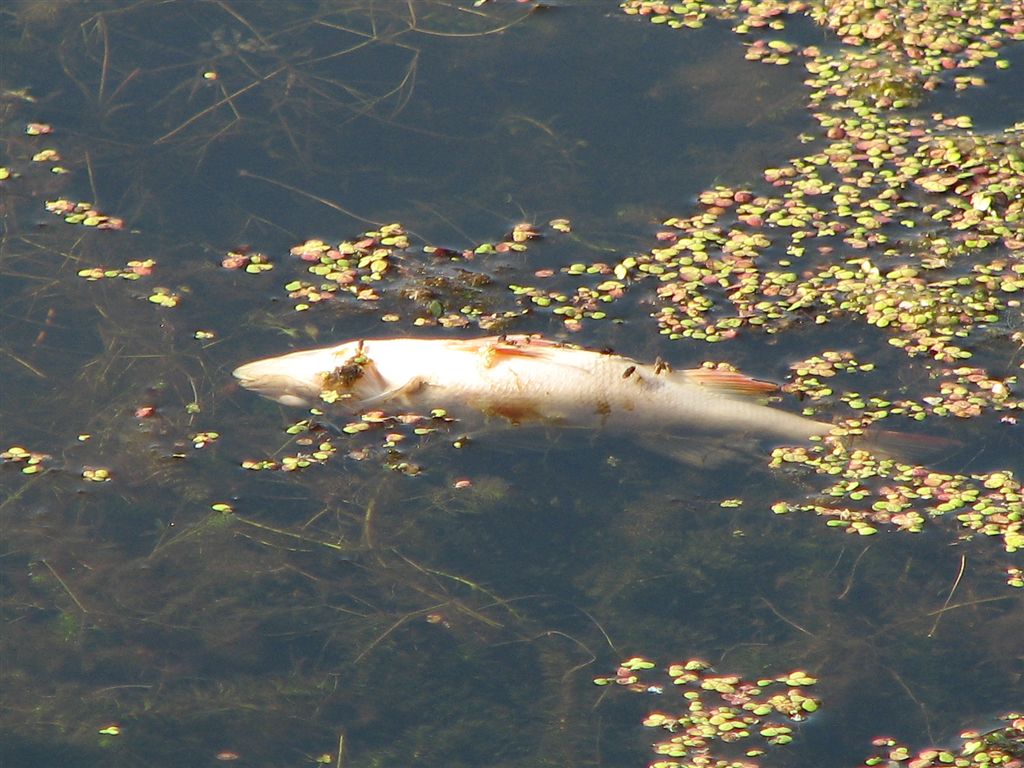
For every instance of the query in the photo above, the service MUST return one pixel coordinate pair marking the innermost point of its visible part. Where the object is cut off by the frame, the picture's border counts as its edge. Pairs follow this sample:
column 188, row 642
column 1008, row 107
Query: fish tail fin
column 893, row 444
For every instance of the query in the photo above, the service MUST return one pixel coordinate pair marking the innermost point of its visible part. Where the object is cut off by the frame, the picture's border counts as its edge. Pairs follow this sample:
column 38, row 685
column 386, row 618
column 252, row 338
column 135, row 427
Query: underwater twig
column 92, row 177
column 791, row 623
column 323, row 511
column 472, row 612
column 128, row 686
column 461, row 580
column 64, row 584
column 532, row 121
column 405, row 87
column 580, row 643
column 130, row 76
column 913, row 698
column 167, row 539
column 341, row 749
column 101, row 22
column 25, row 363
column 344, row 51
column 437, row 213
column 214, row 137
column 597, row 624
column 267, row 46
column 323, row 201
column 969, row 603
column 377, row 641
column 853, row 570
column 23, row 489
column 373, row 37
column 493, row 31
column 228, row 99
column 447, row 601
column 585, row 612
column 956, row 583
column 289, row 534
column 368, row 524
column 266, row 543
column 244, row 22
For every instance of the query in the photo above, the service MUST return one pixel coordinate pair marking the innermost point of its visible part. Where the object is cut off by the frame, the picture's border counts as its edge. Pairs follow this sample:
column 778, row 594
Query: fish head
column 314, row 376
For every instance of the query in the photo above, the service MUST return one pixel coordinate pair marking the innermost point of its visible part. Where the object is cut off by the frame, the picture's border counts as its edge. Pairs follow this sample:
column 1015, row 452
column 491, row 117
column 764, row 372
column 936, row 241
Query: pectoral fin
column 401, row 393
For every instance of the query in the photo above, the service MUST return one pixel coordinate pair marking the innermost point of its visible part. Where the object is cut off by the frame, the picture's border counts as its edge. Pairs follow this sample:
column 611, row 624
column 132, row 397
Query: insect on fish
column 524, row 379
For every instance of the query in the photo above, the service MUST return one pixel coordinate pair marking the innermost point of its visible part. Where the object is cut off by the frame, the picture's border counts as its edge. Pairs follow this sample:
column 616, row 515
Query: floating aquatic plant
column 1003, row 747
column 717, row 710
column 388, row 437
column 164, row 297
column 84, row 214
column 31, row 461
column 909, row 224
column 252, row 263
column 133, row 270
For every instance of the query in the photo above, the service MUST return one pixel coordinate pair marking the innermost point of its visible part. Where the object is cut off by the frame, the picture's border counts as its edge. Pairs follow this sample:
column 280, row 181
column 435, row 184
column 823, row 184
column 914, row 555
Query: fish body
column 523, row 379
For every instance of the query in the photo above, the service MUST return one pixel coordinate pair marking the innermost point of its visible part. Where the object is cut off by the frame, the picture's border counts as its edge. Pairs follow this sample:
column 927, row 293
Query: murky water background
column 424, row 624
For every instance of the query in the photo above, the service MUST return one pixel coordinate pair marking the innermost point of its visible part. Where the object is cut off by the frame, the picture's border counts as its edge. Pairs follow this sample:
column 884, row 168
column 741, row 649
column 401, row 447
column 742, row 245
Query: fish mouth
column 261, row 378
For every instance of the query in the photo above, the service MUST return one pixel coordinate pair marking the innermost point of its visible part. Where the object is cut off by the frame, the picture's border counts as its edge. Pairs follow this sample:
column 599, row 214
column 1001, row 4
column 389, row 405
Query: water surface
column 415, row 620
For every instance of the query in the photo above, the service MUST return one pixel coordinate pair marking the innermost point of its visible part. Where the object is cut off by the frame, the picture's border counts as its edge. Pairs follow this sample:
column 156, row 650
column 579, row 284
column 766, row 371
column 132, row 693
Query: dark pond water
column 412, row 620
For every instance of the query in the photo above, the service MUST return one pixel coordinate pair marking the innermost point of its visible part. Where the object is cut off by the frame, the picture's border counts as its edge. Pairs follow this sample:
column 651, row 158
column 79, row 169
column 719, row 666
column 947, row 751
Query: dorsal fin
column 512, row 345
column 494, row 349
column 729, row 382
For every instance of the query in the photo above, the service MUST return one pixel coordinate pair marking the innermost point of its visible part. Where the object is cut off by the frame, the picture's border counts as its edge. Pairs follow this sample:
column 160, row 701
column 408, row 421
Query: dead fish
column 524, row 379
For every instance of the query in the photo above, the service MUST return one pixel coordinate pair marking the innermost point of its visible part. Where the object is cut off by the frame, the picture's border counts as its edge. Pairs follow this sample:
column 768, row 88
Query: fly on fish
column 526, row 379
